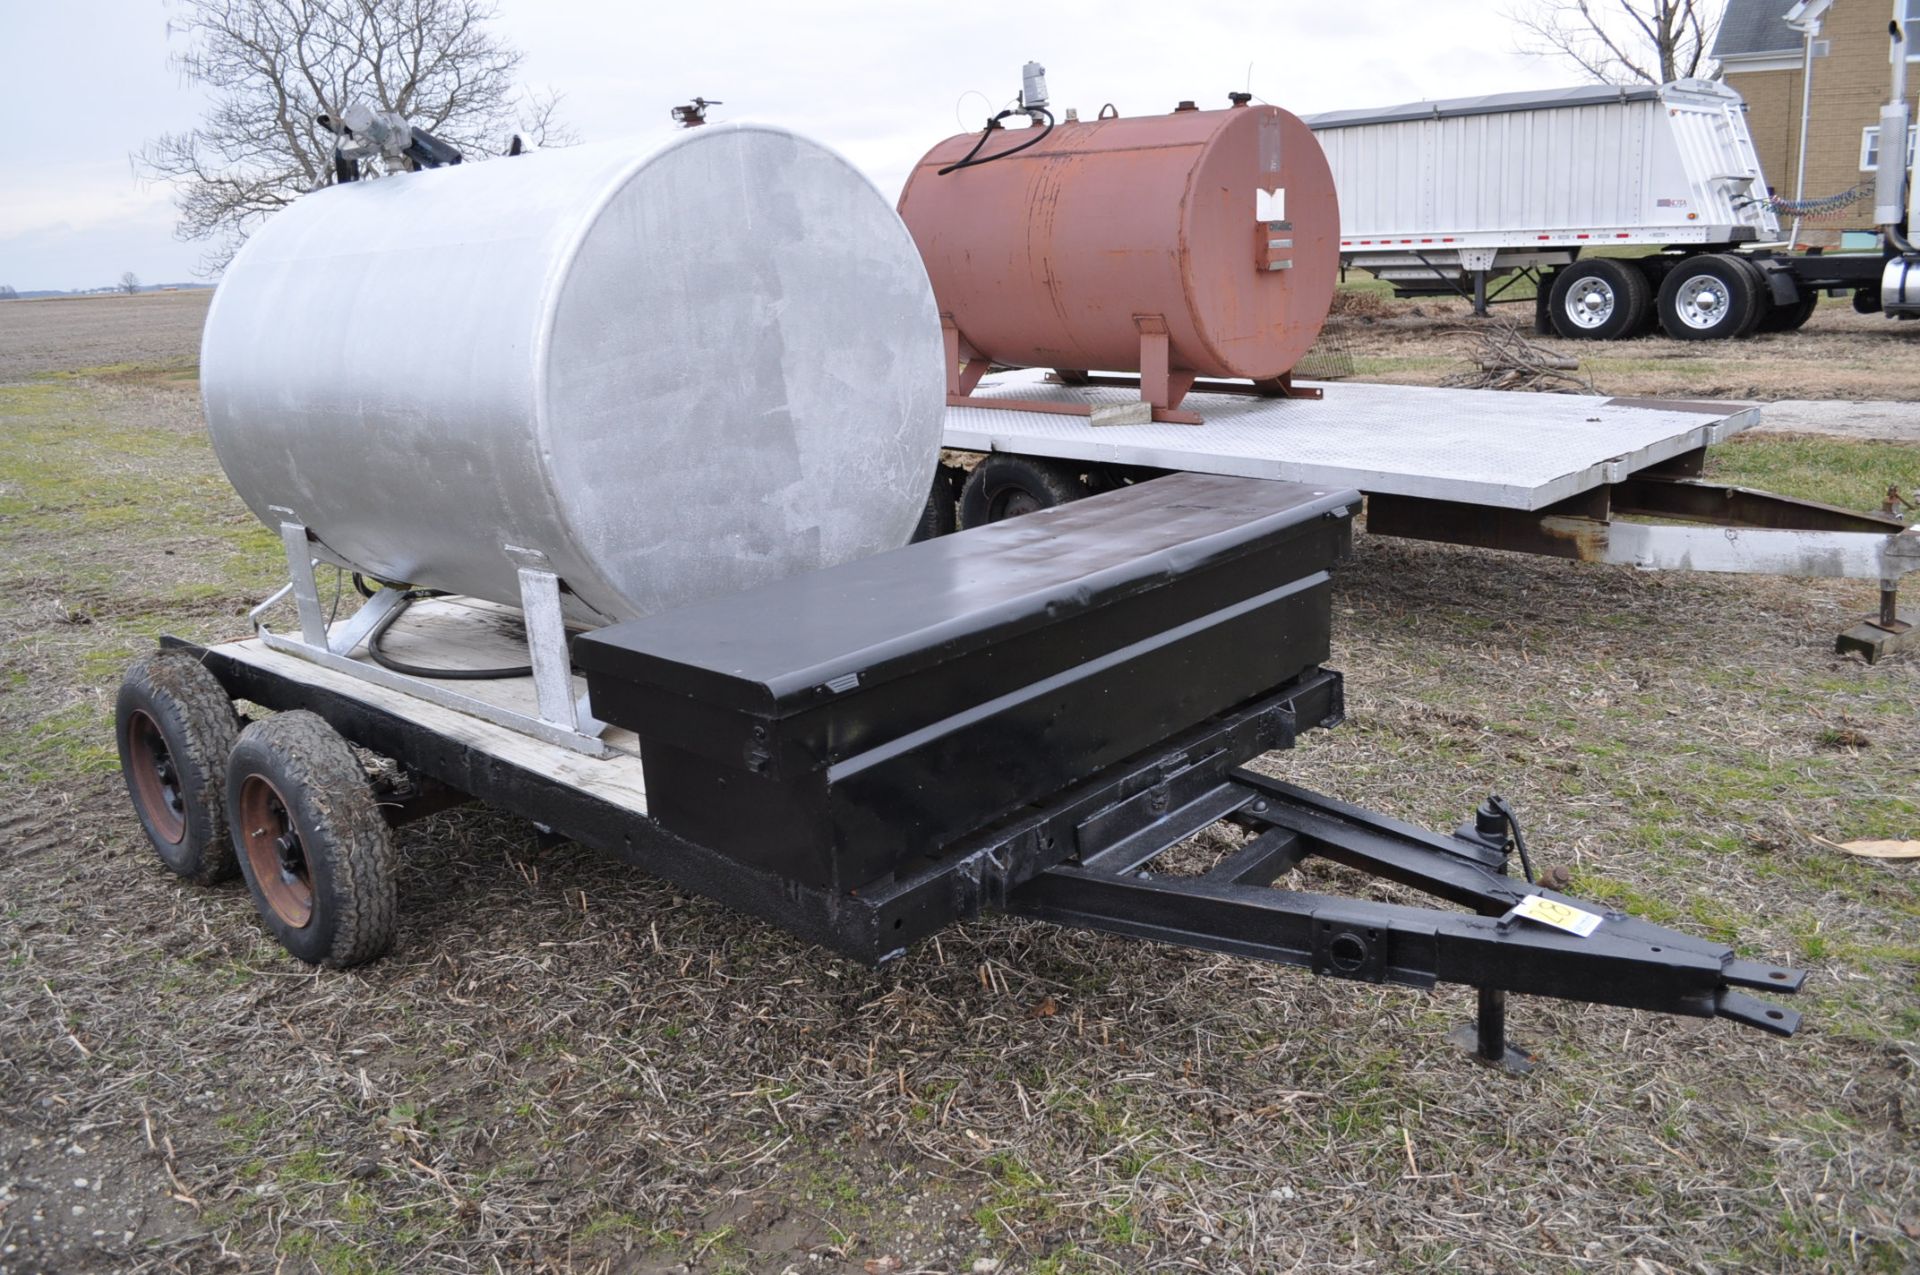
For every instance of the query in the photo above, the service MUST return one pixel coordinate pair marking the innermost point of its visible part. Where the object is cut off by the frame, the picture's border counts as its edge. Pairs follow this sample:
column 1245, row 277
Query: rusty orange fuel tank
column 1067, row 254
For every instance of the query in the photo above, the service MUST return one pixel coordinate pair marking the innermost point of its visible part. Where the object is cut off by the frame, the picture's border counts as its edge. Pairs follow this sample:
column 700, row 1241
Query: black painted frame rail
column 1233, row 908
column 1084, row 859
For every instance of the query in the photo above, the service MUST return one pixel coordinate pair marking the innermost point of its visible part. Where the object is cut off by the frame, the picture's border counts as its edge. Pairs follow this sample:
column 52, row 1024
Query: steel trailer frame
column 1087, row 858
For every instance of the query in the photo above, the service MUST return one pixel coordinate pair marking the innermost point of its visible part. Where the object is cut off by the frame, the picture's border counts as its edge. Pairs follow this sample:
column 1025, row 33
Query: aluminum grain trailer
column 1470, row 195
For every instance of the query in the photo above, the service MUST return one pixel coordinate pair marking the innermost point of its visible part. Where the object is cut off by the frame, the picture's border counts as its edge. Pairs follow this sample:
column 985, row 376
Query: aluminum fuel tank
column 677, row 370
column 1050, row 258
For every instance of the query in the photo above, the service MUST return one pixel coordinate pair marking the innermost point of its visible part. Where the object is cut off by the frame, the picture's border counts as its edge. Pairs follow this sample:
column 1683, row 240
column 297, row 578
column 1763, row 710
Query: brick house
column 1762, row 51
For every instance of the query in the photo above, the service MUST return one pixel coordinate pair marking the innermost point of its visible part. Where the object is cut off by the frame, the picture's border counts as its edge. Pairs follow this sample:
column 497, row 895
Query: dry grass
column 1838, row 355
column 569, row 1067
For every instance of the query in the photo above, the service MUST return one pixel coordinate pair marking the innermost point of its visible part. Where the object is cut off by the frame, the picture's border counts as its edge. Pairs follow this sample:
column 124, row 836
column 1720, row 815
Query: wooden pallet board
column 468, row 633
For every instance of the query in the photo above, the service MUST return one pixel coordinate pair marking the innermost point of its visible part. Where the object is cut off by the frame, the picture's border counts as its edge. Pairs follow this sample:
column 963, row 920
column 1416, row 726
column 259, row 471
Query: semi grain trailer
column 1470, row 196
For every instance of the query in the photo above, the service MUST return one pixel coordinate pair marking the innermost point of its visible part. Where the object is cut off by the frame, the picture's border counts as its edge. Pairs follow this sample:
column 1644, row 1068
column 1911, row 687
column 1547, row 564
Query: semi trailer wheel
column 1762, row 294
column 174, row 726
column 1709, row 297
column 312, row 844
column 1598, row 300
column 1005, row 486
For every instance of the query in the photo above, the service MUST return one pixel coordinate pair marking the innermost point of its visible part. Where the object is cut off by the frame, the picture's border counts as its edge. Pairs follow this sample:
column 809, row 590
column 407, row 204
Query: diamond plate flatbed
column 1482, row 447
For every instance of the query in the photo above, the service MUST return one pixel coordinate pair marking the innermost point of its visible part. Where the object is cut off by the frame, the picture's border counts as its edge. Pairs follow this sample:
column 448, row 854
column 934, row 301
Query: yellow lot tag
column 1538, row 907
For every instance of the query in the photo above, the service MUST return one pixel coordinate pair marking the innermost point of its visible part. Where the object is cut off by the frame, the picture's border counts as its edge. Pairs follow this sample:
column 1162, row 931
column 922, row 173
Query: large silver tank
column 677, row 370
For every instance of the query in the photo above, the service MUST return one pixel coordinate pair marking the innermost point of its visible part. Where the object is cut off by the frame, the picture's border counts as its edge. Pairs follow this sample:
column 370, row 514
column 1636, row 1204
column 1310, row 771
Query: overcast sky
column 88, row 81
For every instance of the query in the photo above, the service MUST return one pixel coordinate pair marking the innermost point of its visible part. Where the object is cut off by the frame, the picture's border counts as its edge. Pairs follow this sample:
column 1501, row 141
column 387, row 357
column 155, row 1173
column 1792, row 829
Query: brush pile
column 1501, row 359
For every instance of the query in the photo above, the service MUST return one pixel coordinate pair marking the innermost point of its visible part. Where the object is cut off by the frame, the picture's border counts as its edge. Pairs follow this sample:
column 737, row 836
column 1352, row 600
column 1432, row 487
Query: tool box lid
column 787, row 646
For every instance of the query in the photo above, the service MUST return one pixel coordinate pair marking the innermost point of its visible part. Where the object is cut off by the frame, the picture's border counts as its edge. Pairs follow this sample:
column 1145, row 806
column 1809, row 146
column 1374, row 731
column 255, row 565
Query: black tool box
column 834, row 726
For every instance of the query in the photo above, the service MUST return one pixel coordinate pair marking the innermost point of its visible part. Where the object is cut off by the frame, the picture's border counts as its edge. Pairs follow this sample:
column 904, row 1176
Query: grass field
column 568, row 1067
column 1838, row 355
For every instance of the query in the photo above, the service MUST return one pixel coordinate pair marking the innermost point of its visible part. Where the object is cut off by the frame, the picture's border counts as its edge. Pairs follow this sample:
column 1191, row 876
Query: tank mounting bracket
column 562, row 719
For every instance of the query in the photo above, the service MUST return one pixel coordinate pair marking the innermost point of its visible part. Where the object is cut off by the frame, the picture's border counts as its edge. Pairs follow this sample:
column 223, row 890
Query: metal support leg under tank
column 562, row 719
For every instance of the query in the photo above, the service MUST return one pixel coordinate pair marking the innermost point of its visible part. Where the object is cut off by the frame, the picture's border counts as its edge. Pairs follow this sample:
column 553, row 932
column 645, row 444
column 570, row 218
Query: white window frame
column 1870, row 142
column 1912, row 25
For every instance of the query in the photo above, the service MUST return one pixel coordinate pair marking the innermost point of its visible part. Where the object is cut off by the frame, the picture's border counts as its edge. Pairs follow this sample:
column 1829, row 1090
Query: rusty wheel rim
column 156, row 778
column 274, row 853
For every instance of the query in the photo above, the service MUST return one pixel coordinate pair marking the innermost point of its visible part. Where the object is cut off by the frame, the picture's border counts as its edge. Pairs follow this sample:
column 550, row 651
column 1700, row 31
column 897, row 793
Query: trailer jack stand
column 1486, row 1036
column 1878, row 636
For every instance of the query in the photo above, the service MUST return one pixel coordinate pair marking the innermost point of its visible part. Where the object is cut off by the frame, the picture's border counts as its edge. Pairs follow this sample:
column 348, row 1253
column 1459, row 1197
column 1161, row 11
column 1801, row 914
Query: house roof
column 1754, row 28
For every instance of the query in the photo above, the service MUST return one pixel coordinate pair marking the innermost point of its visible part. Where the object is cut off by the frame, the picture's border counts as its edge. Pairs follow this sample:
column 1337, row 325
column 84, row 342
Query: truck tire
column 1791, row 317
column 939, row 517
column 1005, row 486
column 174, row 726
column 1709, row 297
column 1762, row 295
column 1598, row 300
column 1654, row 272
column 312, row 844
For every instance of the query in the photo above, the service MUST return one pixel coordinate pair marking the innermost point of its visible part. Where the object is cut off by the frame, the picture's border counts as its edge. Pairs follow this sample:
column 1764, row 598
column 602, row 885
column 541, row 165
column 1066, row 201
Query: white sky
column 88, row 81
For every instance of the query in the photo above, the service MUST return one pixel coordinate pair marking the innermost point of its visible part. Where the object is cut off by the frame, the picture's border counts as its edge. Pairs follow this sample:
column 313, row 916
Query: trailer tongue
column 1025, row 717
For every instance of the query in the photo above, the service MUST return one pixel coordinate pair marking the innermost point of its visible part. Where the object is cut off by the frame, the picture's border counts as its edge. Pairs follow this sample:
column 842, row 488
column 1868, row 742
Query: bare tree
column 129, row 283
column 1623, row 41
column 275, row 66
column 7, row 293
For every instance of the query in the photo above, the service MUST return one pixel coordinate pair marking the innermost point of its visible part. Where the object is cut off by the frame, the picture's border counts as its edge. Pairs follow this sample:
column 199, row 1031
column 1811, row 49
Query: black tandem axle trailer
column 1023, row 717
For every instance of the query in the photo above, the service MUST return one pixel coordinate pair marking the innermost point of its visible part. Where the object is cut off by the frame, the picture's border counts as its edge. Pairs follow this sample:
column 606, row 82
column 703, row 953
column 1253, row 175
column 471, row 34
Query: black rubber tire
column 1005, row 486
column 326, row 802
column 174, row 726
column 1619, row 280
column 1740, row 283
column 1654, row 271
column 940, row 516
column 1791, row 318
column 1762, row 294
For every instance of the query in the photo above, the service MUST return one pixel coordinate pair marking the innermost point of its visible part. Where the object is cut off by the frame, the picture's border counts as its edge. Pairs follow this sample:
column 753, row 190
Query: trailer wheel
column 312, row 844
column 1598, row 300
column 1708, row 297
column 1792, row 317
column 1005, row 486
column 174, row 725
column 939, row 517
column 1762, row 294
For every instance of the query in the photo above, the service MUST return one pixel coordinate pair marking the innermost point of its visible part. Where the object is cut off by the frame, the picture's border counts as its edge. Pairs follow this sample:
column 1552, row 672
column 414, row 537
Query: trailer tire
column 311, row 842
column 1601, row 299
column 940, row 515
column 1791, row 317
column 174, row 725
column 1709, row 297
column 1005, row 486
column 1654, row 271
column 1762, row 294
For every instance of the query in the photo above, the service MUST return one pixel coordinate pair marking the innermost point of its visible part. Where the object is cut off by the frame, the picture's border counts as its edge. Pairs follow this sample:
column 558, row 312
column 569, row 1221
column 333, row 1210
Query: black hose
column 386, row 661
column 993, row 125
column 1506, row 810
